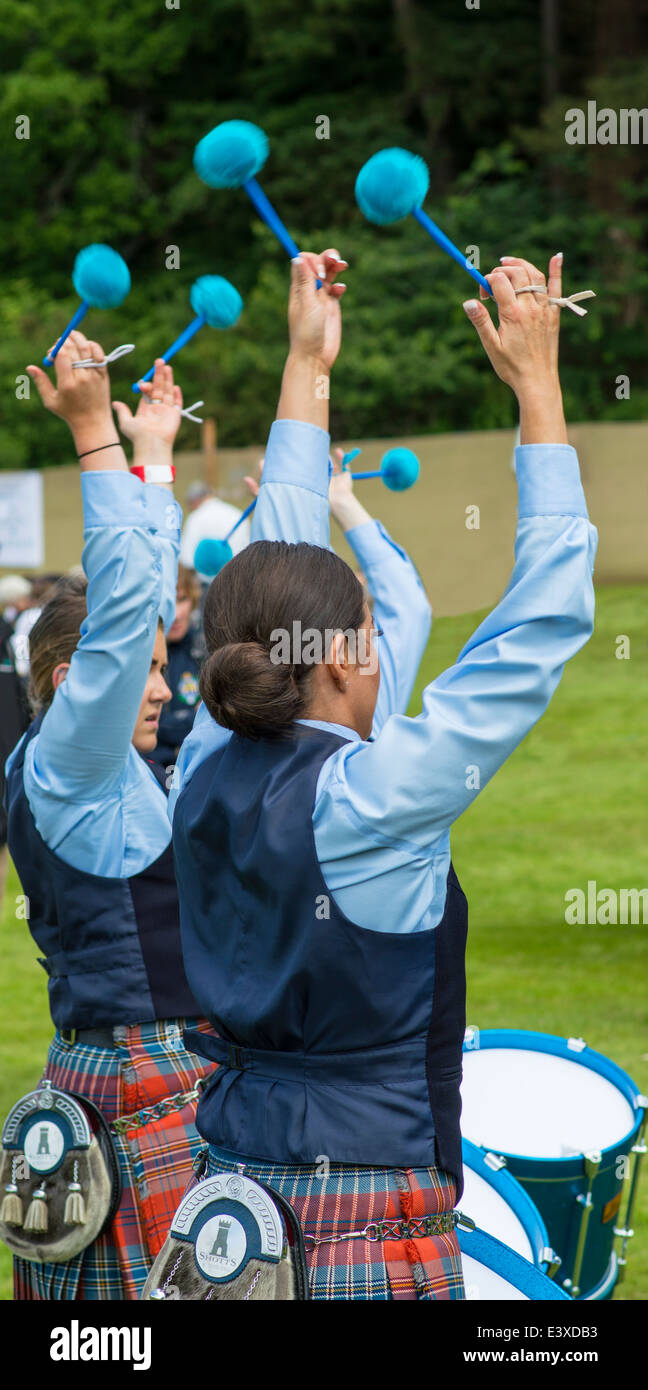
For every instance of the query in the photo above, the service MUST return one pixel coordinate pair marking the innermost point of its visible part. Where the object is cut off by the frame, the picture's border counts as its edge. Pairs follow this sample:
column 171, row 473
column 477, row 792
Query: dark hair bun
column 247, row 692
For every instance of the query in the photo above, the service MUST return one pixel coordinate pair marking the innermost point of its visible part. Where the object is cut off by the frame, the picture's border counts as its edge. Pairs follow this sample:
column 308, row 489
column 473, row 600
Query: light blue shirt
column 95, row 801
column 293, row 506
column 384, row 807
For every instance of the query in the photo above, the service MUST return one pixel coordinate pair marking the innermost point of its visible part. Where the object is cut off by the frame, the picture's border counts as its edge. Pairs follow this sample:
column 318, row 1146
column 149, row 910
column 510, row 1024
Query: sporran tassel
column 75, row 1211
column 36, row 1219
column 11, row 1211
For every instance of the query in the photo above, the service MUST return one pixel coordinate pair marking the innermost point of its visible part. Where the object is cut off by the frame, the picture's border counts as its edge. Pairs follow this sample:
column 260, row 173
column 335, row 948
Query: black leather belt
column 92, row 1037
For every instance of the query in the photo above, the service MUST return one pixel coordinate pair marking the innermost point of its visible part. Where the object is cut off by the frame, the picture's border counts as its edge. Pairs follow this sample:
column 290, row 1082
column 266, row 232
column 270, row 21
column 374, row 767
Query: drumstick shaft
column 82, row 309
column 243, row 517
column 271, row 218
column 449, row 247
column 185, row 337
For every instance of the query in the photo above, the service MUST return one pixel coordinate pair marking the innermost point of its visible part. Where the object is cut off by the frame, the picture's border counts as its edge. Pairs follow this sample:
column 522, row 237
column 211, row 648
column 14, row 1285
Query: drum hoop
column 512, row 1192
column 522, row 1040
column 528, row 1279
column 602, row 1289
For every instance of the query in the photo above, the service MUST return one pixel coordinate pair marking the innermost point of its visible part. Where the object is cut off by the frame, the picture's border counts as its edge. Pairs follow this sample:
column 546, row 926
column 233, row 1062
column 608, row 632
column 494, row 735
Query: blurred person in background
column 185, row 655
column 15, row 596
column 209, row 519
column 40, row 590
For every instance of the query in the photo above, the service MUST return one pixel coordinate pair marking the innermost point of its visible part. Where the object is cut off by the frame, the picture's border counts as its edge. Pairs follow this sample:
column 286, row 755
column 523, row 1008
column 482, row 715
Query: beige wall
column 462, row 569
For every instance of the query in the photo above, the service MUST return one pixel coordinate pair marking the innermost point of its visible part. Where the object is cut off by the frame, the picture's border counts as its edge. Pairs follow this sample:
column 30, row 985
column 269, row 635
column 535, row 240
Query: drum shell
column 504, row 1183
column 554, row 1184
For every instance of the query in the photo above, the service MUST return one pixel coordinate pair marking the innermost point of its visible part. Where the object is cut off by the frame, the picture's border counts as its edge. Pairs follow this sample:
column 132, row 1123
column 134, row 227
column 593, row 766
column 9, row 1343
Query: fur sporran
column 231, row 1238
column 59, row 1181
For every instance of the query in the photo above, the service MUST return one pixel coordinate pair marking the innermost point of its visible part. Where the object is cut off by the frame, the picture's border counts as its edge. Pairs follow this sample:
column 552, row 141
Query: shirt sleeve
column 409, row 786
column 401, row 610
column 293, row 497
column 130, row 556
column 292, row 506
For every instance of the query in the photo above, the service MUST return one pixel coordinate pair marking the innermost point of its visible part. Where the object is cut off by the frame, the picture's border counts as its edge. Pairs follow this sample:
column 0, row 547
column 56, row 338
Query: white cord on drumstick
column 105, row 361
column 569, row 301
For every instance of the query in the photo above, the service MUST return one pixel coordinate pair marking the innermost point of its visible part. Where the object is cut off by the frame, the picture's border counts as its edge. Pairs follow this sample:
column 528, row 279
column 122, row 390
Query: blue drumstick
column 270, row 217
column 392, row 184
column 216, row 302
column 102, row 280
column 399, row 470
column 211, row 554
column 229, row 156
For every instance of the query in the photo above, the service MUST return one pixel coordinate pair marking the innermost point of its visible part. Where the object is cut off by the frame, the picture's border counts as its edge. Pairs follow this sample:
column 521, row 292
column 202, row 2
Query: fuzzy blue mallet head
column 230, row 154
column 216, row 301
column 400, row 469
column 391, row 184
column 211, row 556
column 101, row 277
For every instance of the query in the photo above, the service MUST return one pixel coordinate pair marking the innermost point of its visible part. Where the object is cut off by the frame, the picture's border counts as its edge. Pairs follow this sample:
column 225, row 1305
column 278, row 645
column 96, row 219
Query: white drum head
column 538, row 1105
column 482, row 1283
column 492, row 1213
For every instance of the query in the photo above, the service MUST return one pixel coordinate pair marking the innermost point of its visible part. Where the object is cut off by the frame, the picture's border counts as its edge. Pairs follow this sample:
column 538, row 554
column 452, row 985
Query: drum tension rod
column 592, row 1163
column 625, row 1231
column 553, row 1261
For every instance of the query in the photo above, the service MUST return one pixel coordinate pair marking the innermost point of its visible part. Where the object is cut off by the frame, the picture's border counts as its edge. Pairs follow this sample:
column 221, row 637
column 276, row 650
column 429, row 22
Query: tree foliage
column 117, row 97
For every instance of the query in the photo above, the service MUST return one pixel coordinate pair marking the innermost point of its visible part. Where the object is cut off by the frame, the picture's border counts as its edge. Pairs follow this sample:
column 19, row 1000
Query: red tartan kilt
column 150, row 1065
column 330, row 1201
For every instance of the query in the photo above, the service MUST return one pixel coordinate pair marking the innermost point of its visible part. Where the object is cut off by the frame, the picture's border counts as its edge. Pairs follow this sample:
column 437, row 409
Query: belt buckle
column 235, row 1056
column 69, row 1041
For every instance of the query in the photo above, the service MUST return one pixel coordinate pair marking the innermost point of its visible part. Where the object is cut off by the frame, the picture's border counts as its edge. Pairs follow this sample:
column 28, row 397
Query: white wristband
column 154, row 472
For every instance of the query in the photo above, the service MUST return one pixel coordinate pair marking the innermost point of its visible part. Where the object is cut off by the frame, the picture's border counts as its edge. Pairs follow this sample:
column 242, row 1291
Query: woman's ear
column 59, row 673
column 338, row 661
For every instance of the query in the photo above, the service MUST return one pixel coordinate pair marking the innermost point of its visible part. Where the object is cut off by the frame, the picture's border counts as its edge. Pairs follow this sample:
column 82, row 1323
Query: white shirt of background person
column 211, row 519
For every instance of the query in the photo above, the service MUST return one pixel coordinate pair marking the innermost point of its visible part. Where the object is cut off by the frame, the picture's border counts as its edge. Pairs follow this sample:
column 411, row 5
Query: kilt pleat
column 332, row 1200
column 149, row 1065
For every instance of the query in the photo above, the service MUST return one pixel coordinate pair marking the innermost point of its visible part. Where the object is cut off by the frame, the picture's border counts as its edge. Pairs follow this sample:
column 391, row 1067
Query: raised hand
column 81, row 397
column 314, row 316
column 523, row 348
column 157, row 418
column 345, row 507
column 253, row 484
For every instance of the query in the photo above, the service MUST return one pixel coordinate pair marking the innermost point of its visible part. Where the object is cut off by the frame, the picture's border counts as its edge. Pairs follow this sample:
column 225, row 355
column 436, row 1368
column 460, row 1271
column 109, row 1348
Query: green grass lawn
column 569, row 806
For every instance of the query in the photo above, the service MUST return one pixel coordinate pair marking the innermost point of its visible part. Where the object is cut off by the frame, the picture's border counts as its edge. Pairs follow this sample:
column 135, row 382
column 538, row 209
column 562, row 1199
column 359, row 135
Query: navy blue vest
column 335, row 1041
column 111, row 946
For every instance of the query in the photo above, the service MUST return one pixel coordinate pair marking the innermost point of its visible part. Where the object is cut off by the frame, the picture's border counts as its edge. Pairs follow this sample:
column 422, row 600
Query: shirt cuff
column 549, row 481
column 368, row 543
column 117, row 498
column 298, row 453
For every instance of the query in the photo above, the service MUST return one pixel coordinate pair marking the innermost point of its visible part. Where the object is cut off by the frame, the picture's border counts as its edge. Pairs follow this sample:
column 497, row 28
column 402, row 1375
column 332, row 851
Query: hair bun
column 247, row 692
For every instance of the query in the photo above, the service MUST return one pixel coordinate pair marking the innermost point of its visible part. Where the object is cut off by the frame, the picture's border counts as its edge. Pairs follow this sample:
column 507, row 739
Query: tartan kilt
column 348, row 1198
column 148, row 1065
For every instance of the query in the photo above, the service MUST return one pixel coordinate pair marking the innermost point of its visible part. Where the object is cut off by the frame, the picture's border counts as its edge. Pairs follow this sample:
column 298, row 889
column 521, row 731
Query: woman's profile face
column 364, row 677
column 156, row 695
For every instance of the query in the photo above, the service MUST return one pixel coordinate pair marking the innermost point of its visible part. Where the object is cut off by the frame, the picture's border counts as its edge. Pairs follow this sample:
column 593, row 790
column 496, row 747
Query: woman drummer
column 88, row 829
column 323, row 925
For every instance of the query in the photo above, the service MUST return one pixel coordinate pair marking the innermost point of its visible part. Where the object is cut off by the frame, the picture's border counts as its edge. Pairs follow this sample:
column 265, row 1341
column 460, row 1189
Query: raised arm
column 421, row 774
column 293, row 497
column 131, row 533
column 400, row 605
